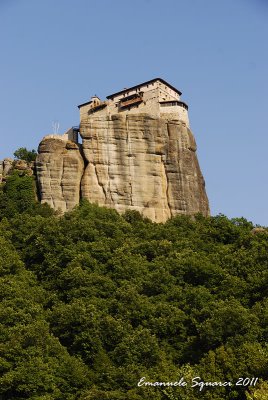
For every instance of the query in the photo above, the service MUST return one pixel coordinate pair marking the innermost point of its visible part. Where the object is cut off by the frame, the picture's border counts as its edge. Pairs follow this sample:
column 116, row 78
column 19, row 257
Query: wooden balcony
column 97, row 108
column 128, row 102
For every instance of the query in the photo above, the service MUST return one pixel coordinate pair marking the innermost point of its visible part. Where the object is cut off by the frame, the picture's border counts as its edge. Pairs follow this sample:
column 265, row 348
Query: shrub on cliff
column 23, row 154
column 18, row 195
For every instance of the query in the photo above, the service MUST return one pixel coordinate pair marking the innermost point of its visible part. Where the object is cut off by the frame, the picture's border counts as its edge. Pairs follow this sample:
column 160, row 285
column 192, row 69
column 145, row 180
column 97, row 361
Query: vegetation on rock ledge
column 23, row 154
column 92, row 301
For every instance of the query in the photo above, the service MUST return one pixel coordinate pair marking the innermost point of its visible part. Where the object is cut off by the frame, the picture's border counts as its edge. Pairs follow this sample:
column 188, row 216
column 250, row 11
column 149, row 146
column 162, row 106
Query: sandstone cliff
column 128, row 161
column 59, row 169
column 139, row 162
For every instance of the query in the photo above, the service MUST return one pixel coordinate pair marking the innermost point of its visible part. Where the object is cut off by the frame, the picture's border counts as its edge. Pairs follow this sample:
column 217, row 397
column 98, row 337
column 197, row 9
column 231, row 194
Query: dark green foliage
column 23, row 154
column 33, row 363
column 18, row 195
column 94, row 301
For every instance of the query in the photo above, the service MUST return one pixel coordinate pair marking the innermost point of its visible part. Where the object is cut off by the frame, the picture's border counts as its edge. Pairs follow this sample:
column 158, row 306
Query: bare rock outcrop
column 8, row 165
column 143, row 163
column 59, row 169
column 258, row 230
column 127, row 161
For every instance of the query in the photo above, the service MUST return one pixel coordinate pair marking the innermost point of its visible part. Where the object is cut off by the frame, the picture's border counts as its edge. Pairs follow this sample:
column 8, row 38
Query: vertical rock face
column 132, row 161
column 143, row 163
column 59, row 169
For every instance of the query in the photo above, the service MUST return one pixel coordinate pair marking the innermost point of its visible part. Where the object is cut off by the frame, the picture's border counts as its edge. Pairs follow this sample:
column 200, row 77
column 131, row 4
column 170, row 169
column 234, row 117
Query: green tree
column 258, row 393
column 17, row 195
column 33, row 363
column 23, row 154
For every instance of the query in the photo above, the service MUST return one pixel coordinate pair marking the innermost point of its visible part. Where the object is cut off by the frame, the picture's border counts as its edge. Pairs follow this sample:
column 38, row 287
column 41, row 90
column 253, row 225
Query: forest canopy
column 93, row 301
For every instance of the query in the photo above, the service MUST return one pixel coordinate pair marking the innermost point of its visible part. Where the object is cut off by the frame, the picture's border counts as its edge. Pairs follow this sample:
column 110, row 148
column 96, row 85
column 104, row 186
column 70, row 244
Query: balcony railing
column 129, row 102
column 170, row 103
column 97, row 108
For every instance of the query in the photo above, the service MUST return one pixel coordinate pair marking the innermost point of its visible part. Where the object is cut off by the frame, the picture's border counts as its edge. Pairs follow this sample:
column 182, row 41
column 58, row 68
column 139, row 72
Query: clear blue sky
column 55, row 54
